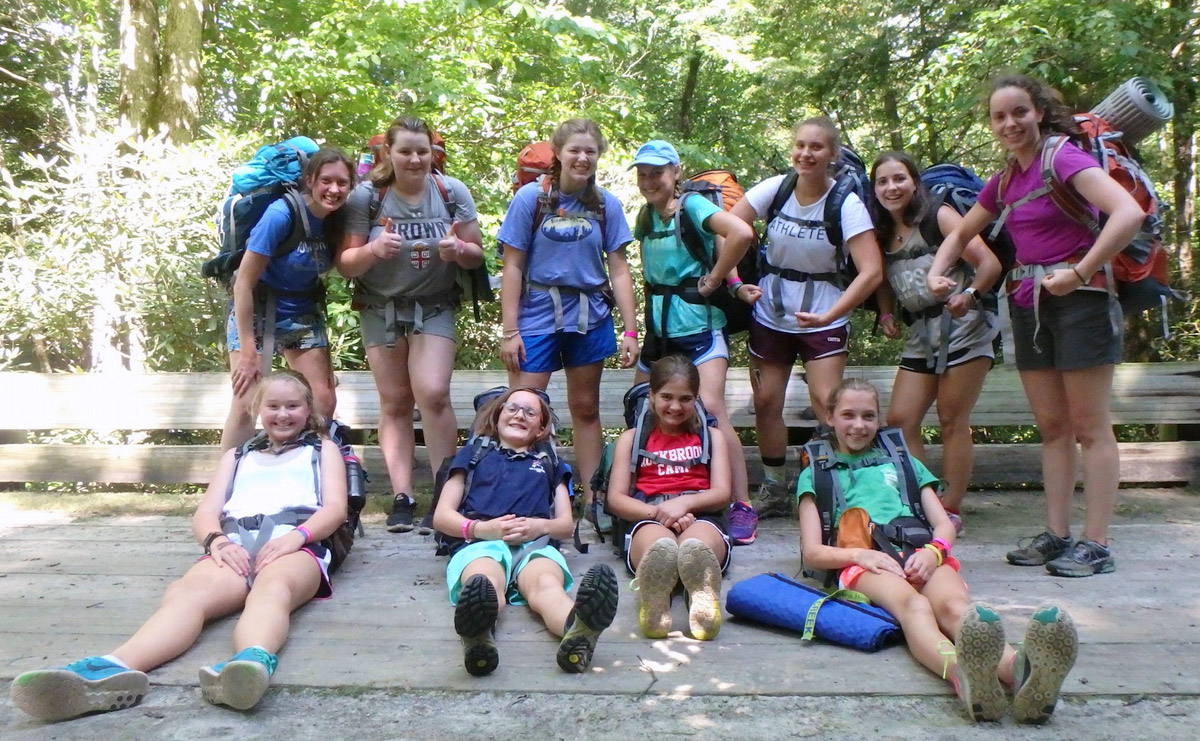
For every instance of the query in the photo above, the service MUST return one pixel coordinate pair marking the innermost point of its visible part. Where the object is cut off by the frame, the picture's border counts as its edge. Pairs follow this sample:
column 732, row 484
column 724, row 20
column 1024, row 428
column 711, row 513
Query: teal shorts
column 501, row 553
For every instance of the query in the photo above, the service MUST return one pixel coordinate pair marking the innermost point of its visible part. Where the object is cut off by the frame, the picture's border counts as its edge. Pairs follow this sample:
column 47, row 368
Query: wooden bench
column 1161, row 394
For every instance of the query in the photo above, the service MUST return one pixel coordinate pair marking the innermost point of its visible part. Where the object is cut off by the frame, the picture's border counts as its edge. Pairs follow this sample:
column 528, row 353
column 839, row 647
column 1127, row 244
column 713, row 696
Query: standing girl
column 291, row 468
column 558, row 238
column 949, row 348
column 924, row 591
column 675, row 513
column 1065, row 317
column 519, row 499
column 408, row 232
column 802, row 310
column 679, row 317
column 277, row 291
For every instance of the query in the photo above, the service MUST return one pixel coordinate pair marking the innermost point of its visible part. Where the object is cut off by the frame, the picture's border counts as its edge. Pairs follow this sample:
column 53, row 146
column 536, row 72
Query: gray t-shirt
column 418, row 271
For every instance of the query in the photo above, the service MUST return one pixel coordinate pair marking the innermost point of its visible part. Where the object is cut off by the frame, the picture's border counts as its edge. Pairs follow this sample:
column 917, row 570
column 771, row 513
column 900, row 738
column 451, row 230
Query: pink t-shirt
column 661, row 478
column 1042, row 233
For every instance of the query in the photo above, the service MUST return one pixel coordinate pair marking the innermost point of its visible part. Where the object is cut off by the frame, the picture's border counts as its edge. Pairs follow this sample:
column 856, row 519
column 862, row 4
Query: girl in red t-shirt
column 676, row 506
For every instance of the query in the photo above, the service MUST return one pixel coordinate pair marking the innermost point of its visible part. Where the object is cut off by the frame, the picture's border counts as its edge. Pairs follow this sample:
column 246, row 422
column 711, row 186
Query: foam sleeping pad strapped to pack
column 776, row 600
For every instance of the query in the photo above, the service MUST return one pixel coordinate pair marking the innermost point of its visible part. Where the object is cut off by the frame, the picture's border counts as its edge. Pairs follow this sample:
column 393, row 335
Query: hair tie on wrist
column 631, row 333
column 1082, row 280
column 304, row 531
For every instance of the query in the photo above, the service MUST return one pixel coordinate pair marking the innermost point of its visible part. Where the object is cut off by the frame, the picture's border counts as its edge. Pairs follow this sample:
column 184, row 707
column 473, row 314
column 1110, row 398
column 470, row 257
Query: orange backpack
column 533, row 164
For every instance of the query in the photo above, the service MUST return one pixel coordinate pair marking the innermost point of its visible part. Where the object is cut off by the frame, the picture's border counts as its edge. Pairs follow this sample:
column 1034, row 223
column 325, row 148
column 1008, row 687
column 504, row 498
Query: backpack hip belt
column 585, row 307
column 688, row 293
column 796, row 276
column 1101, row 280
column 421, row 306
column 935, row 317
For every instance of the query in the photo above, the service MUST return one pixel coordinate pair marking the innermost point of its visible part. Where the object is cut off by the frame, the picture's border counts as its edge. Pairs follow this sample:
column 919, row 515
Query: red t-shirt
column 661, row 478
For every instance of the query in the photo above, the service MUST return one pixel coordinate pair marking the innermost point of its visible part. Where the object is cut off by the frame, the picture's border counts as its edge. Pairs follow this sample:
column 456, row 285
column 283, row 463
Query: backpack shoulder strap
column 439, row 182
column 891, row 439
column 301, row 229
column 931, row 231
column 828, row 490
column 1068, row 200
column 833, row 209
column 375, row 205
column 781, row 196
column 688, row 234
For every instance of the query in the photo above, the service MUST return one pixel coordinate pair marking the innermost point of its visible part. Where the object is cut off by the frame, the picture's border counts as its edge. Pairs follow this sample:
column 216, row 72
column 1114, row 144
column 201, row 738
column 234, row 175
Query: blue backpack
column 958, row 187
column 273, row 173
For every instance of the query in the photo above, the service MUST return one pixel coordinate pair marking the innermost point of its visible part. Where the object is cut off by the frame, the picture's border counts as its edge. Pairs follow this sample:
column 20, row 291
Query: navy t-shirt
column 509, row 483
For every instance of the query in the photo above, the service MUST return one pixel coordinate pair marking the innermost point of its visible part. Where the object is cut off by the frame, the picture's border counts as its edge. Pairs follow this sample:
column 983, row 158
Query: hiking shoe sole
column 475, row 620
column 59, row 694
column 700, row 573
column 980, row 648
column 657, row 575
column 1051, row 645
column 239, row 684
column 595, row 608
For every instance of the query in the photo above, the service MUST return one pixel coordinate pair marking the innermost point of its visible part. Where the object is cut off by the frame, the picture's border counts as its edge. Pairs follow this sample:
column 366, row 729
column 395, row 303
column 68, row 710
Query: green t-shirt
column 874, row 488
column 665, row 261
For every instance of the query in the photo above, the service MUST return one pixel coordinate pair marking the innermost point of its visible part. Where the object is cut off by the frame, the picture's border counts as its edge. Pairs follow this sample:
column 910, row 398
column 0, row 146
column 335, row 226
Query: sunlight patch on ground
column 13, row 517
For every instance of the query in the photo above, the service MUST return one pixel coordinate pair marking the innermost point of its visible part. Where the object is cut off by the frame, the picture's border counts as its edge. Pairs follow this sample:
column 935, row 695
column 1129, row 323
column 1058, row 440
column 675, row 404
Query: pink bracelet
column 466, row 526
column 307, row 535
column 632, row 333
column 942, row 542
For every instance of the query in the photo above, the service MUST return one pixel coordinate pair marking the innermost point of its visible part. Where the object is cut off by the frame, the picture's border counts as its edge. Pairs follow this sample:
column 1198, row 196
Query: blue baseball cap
column 656, row 152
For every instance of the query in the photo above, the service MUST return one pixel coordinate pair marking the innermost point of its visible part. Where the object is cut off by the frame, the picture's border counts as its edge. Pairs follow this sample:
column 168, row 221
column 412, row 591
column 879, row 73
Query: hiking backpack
column 639, row 419
column 533, row 164
column 958, row 187
column 273, row 173
column 899, row 538
column 472, row 284
column 849, row 176
column 1140, row 269
column 480, row 446
column 341, row 540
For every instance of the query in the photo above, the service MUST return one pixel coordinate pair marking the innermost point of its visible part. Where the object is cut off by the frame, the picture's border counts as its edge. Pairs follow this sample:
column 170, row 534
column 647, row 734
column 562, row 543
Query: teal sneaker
column 240, row 682
column 595, row 608
column 1042, row 663
column 91, row 685
column 980, row 647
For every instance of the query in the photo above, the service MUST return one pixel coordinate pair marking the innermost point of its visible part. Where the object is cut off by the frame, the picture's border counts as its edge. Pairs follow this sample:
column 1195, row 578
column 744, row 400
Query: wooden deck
column 70, row 589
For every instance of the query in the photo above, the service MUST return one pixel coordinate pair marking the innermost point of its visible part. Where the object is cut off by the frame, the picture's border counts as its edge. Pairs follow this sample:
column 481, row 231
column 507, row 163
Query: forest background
column 120, row 123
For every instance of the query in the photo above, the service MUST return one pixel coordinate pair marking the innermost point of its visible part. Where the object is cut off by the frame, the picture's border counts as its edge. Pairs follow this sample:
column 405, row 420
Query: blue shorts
column 546, row 353
column 699, row 348
column 501, row 553
column 291, row 333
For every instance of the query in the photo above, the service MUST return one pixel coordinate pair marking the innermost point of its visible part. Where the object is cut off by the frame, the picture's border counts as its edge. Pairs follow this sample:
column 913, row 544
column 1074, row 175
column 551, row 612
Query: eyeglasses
column 514, row 408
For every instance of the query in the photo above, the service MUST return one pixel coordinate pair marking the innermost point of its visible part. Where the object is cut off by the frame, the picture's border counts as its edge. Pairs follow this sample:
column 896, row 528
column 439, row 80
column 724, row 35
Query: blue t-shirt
column 509, row 483
column 666, row 261
column 567, row 250
column 297, row 273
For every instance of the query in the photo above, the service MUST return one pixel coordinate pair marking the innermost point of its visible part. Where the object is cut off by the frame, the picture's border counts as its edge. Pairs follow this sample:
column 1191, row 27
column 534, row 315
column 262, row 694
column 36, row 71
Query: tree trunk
column 689, row 92
column 138, row 64
column 1183, row 134
column 179, row 106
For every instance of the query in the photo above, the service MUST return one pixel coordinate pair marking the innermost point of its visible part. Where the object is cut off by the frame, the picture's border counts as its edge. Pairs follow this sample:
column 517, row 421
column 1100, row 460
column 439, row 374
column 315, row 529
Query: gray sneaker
column 1085, row 558
column 771, row 500
column 1042, row 663
column 1039, row 550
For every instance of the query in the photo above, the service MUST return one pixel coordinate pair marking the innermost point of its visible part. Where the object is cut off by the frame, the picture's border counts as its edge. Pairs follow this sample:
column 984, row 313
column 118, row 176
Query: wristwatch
column 973, row 294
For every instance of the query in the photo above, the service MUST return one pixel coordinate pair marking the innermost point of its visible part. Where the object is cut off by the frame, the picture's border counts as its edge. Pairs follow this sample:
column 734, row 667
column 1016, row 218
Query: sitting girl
column 268, row 576
column 675, row 514
column 925, row 593
column 517, row 501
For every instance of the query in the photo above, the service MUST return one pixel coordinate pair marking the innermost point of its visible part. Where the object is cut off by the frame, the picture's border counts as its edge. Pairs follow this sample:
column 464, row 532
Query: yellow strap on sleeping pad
column 810, row 621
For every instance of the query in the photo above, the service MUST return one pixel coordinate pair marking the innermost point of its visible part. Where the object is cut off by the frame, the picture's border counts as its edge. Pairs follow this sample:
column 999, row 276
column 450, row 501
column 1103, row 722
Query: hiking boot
column 240, row 682
column 657, row 575
column 475, row 620
column 595, row 608
column 743, row 523
column 601, row 520
column 1085, row 558
column 700, row 572
column 91, row 685
column 771, row 500
column 404, row 509
column 1039, row 550
column 980, row 647
column 1042, row 663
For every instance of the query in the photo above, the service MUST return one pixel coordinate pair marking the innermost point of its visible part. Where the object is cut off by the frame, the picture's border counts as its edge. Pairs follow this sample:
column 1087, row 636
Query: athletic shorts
column 1082, row 329
column 716, row 524
column 849, row 576
column 699, row 348
column 291, row 333
column 436, row 320
column 783, row 348
column 501, row 553
column 320, row 554
column 958, row 357
column 546, row 353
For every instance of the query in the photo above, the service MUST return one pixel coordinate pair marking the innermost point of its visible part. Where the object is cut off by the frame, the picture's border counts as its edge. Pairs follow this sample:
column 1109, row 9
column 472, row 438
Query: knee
column 916, row 607
column 768, row 404
column 952, row 423
column 584, row 410
column 1056, row 430
column 1091, row 434
column 397, row 403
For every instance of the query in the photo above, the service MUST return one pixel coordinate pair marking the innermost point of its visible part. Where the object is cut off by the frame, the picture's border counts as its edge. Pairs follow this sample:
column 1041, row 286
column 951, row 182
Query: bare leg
column 541, row 584
column 824, row 375
column 239, row 424
column 912, row 395
column 712, row 393
column 288, row 583
column 316, row 367
column 389, row 368
column 769, row 384
column 1048, row 399
column 583, row 399
column 958, row 389
column 1089, row 397
column 431, row 362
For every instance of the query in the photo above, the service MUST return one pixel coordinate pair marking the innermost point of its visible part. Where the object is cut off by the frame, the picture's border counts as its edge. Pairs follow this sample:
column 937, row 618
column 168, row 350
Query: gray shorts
column 1082, row 329
column 435, row 319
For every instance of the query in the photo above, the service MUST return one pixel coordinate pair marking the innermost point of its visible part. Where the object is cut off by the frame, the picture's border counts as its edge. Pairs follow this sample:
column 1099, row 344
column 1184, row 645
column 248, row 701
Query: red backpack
column 533, row 164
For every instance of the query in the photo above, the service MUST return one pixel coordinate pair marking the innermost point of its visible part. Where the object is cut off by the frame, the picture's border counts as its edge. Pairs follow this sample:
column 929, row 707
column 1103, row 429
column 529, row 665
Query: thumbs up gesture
column 449, row 246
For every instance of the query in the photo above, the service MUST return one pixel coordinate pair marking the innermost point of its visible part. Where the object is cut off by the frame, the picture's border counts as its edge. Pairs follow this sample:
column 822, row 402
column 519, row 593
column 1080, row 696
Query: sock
column 115, row 660
column 776, row 473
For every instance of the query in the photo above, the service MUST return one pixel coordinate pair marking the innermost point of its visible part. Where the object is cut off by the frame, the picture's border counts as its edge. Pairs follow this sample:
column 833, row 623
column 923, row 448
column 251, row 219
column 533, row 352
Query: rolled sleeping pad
column 778, row 601
column 1137, row 109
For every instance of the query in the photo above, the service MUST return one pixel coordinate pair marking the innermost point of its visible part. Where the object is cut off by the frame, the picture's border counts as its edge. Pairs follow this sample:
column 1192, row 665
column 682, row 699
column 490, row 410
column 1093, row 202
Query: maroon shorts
column 783, row 348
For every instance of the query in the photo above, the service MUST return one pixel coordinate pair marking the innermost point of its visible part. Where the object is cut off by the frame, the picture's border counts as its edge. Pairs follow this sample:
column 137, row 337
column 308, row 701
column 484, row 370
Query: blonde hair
column 851, row 384
column 315, row 422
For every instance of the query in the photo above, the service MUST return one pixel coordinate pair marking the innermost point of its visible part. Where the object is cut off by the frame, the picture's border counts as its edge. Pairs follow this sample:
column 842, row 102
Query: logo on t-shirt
column 422, row 255
column 890, row 478
column 566, row 228
column 536, row 465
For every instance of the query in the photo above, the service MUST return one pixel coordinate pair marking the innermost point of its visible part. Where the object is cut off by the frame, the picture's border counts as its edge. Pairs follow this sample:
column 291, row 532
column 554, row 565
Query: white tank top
column 268, row 483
